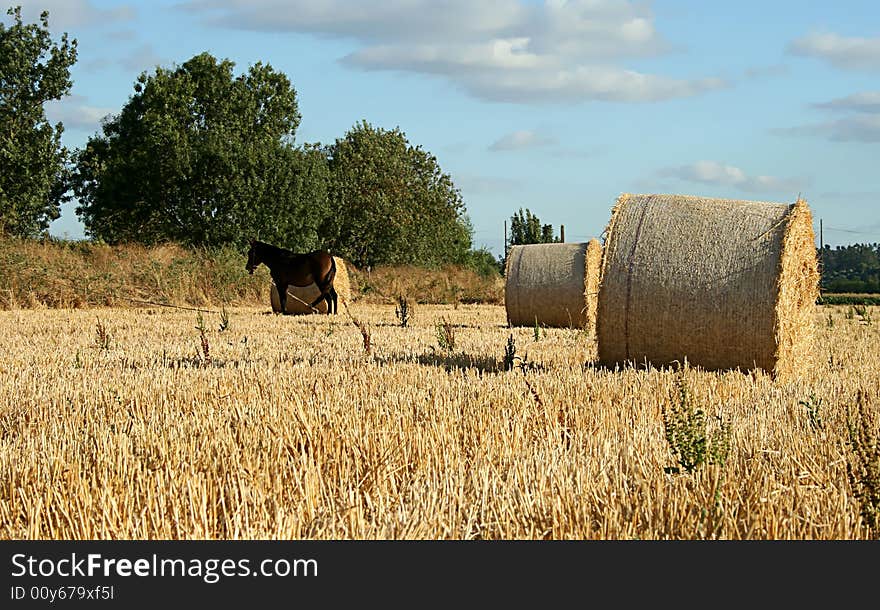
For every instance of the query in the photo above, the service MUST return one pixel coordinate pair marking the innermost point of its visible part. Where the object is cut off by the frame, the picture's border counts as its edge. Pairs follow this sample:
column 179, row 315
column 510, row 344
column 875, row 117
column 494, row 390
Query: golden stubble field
column 289, row 429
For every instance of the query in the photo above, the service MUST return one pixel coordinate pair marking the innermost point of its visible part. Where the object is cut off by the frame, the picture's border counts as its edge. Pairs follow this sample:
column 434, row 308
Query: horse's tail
column 331, row 275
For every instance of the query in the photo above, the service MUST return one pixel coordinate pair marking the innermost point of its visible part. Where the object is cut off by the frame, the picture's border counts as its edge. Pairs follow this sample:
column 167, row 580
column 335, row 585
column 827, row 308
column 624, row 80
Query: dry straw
column 298, row 298
column 554, row 285
column 724, row 284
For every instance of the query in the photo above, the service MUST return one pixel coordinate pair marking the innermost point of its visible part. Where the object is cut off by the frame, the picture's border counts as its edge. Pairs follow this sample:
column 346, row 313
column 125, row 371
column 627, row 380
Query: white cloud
column 521, row 140
column 859, row 102
column 718, row 174
column 75, row 113
column 72, row 13
column 506, row 54
column 499, row 50
column 137, row 60
column 864, row 128
column 140, row 59
column 860, row 120
column 505, row 73
column 871, row 196
column 851, row 53
column 391, row 20
column 766, row 72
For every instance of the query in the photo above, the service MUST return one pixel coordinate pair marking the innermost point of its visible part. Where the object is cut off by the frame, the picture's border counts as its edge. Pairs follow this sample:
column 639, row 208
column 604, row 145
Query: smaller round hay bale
column 298, row 298
column 553, row 284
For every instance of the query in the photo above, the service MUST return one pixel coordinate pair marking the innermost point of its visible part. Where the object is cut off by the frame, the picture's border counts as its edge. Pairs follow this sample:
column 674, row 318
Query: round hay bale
column 724, row 284
column 298, row 298
column 555, row 284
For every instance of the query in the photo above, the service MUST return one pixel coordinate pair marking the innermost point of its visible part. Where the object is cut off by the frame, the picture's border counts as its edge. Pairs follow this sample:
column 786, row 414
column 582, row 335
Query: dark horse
column 290, row 268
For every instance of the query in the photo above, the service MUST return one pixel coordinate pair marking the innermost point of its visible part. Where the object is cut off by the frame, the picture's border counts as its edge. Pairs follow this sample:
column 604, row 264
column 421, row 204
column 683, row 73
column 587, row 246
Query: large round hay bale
column 724, row 284
column 552, row 284
column 298, row 298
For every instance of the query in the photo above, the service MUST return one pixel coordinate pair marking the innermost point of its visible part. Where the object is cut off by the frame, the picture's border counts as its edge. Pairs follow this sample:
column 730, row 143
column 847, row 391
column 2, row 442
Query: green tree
column 202, row 157
column 526, row 228
column 33, row 178
column 851, row 268
column 391, row 203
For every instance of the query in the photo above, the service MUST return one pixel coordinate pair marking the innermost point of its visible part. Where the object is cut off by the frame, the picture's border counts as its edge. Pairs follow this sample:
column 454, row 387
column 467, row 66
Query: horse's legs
column 326, row 296
column 282, row 297
column 320, row 298
column 335, row 298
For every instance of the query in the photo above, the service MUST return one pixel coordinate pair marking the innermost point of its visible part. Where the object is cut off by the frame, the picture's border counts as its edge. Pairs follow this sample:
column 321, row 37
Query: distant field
column 125, row 423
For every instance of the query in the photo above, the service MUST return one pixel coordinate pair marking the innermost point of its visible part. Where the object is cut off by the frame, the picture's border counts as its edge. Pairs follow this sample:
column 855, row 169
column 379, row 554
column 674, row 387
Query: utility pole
column 505, row 240
column 821, row 253
column 562, row 233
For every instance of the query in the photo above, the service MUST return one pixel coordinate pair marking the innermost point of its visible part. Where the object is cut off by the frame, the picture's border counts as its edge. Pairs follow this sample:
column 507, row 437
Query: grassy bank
column 79, row 274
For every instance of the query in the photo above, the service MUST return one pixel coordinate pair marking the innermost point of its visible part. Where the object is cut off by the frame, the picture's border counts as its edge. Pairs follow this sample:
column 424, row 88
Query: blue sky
column 554, row 106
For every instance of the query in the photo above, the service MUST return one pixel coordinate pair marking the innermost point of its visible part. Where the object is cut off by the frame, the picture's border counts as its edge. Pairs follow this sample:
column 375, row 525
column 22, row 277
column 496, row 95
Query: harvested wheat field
column 128, row 423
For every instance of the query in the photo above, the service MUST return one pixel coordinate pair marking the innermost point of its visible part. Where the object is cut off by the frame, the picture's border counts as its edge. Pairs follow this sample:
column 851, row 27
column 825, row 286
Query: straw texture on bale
column 299, row 298
column 554, row 285
column 723, row 284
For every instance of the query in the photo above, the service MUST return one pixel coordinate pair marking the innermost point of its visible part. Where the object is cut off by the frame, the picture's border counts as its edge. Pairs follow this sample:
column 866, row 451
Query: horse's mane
column 275, row 249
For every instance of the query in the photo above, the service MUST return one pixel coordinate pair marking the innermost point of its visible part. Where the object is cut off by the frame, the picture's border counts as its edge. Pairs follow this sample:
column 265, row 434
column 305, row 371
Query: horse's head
column 253, row 258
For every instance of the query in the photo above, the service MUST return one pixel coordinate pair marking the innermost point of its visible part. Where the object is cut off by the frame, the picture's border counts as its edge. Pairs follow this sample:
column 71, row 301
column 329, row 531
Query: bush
column 484, row 263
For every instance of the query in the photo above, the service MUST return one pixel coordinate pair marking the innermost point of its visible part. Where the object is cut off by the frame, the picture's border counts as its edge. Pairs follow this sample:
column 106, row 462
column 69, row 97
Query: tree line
column 204, row 157
column 853, row 268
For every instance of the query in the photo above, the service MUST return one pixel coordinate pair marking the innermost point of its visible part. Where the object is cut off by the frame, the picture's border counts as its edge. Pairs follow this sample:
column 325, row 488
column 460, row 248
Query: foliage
column 402, row 311
column 813, row 406
column 224, row 319
column 391, row 203
column 364, row 328
column 510, row 353
column 852, row 268
column 848, row 299
column 687, row 434
column 483, row 262
column 204, row 346
column 445, row 335
column 526, row 228
column 33, row 70
column 201, row 157
column 863, row 466
column 102, row 336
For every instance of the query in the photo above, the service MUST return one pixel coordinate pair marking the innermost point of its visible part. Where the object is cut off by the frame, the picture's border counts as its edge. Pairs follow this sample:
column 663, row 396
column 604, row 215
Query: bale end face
column 591, row 283
column 798, row 290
